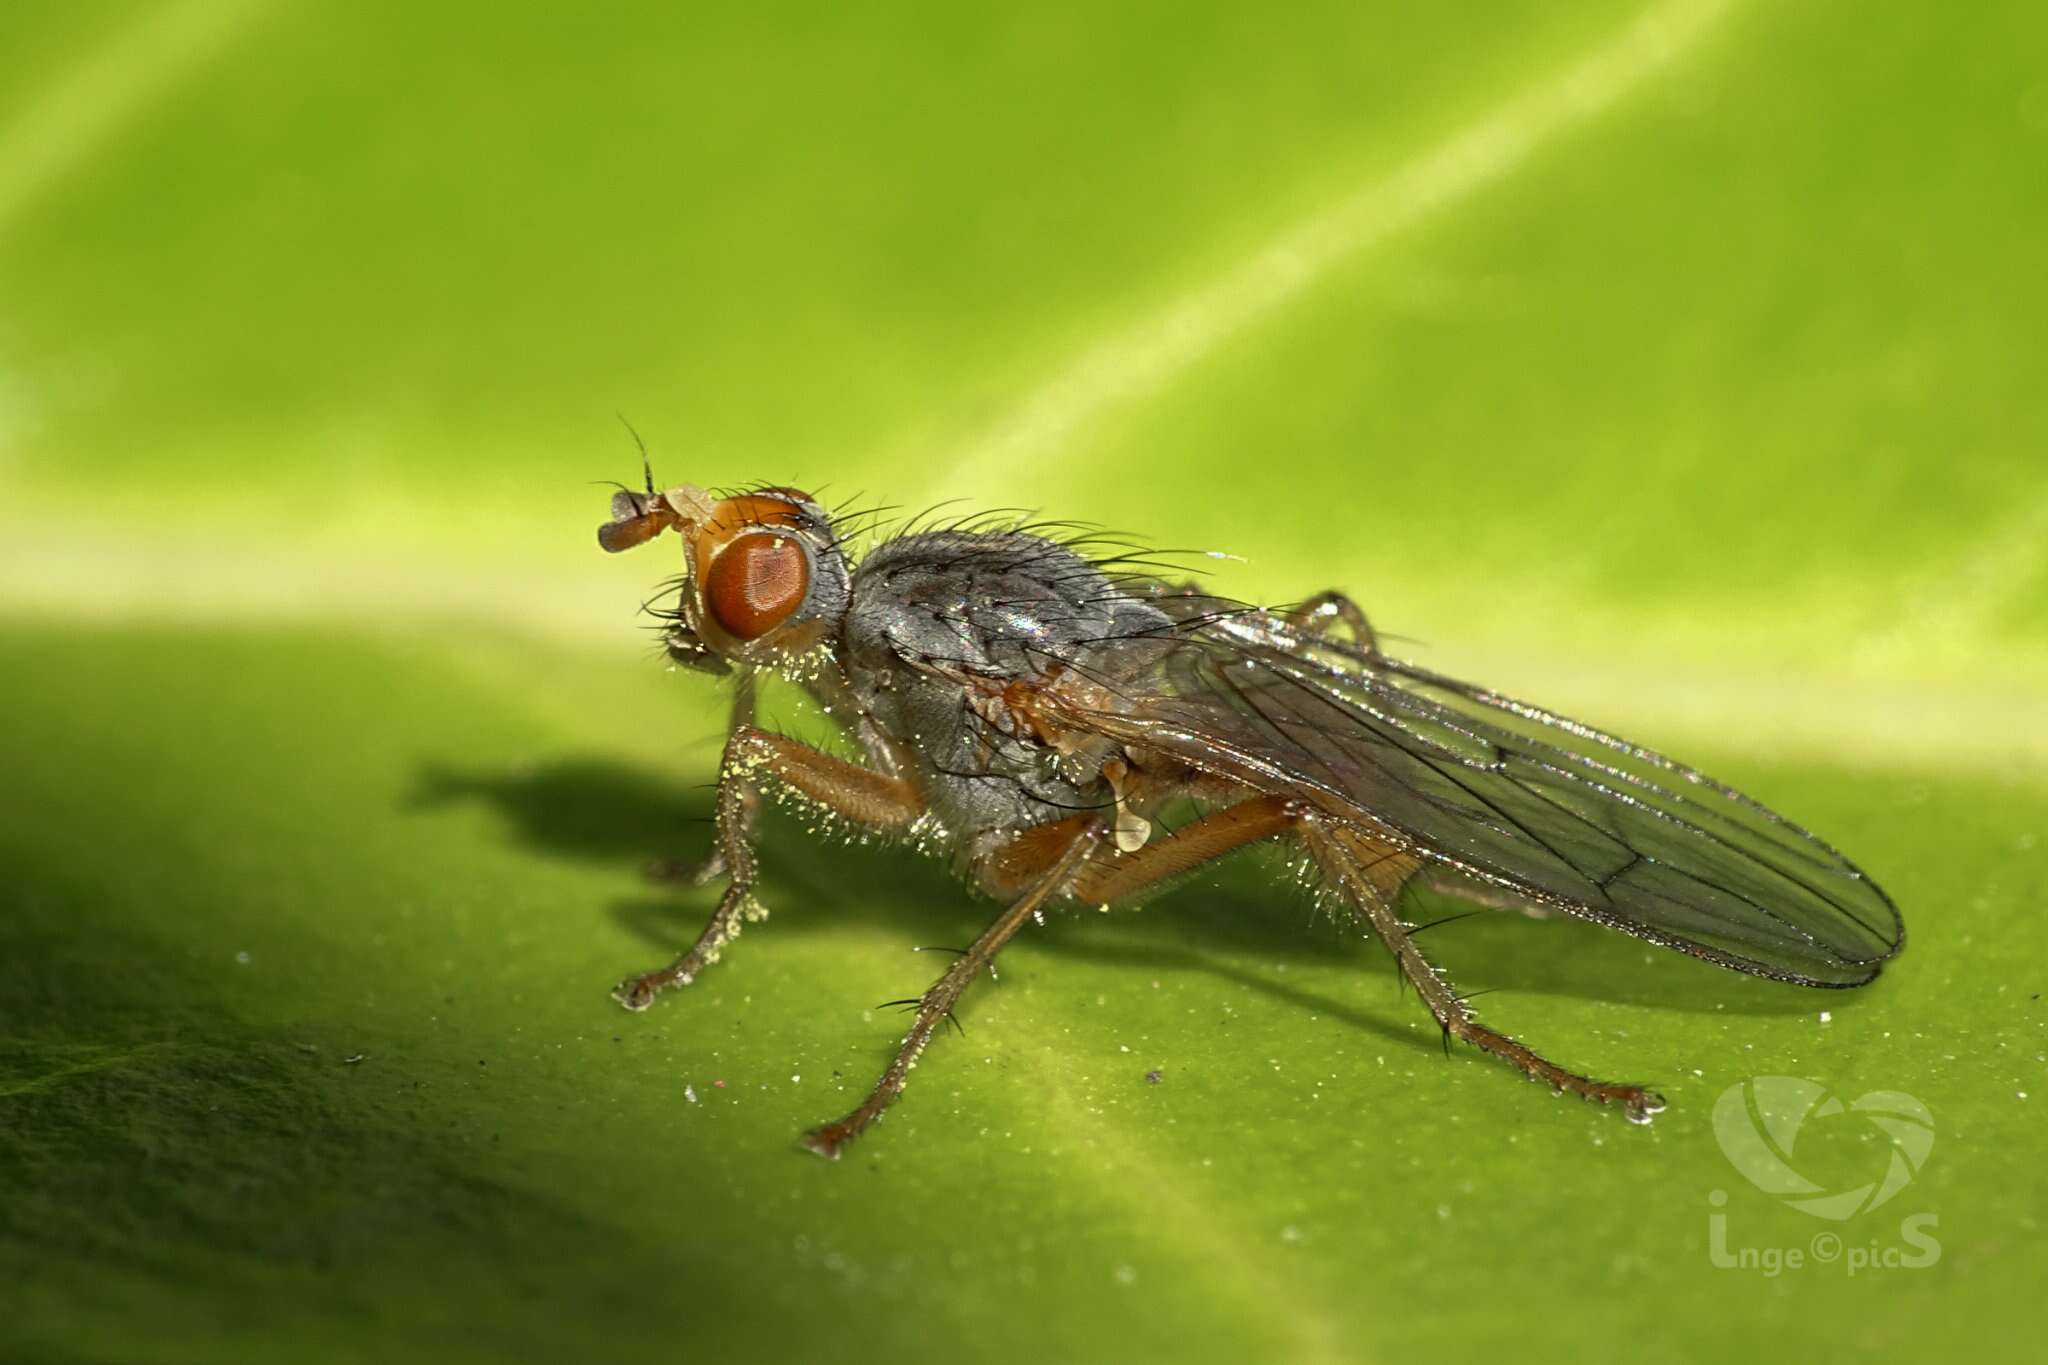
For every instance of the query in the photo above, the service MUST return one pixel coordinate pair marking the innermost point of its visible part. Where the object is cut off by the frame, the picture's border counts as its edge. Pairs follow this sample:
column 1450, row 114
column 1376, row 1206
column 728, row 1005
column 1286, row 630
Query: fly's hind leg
column 1326, row 611
column 858, row 794
column 1070, row 857
column 1370, row 875
column 936, row 1003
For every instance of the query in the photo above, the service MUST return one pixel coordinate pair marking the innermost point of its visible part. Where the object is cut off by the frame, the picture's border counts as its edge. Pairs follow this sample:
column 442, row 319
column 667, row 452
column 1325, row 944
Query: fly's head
column 764, row 580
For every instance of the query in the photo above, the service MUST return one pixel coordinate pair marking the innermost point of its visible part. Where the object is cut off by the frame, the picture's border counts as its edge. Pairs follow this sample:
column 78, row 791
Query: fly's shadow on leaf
column 1244, row 910
column 600, row 810
column 1250, row 908
column 1558, row 955
column 588, row 809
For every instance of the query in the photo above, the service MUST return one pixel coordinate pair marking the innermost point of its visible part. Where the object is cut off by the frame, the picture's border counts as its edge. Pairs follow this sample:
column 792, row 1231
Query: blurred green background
column 1675, row 365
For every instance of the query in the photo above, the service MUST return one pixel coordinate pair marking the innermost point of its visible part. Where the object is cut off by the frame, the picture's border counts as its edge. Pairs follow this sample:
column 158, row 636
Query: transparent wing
column 1513, row 795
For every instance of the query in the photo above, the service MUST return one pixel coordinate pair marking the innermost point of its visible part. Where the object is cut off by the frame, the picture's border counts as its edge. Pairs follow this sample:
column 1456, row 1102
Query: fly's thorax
column 1003, row 605
column 946, row 634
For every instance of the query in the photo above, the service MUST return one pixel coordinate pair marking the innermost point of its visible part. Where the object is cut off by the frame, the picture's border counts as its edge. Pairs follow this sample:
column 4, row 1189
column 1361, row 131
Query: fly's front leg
column 710, row 867
column 1370, row 875
column 860, row 795
column 1323, row 613
column 937, row 1002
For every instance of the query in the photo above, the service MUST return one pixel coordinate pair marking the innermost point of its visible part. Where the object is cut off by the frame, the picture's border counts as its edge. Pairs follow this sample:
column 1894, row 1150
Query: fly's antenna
column 646, row 463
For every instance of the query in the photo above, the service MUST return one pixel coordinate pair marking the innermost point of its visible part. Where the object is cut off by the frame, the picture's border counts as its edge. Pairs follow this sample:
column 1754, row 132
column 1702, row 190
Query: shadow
column 595, row 810
column 587, row 809
column 1141, row 956
column 1247, row 908
column 1561, row 956
column 1492, row 951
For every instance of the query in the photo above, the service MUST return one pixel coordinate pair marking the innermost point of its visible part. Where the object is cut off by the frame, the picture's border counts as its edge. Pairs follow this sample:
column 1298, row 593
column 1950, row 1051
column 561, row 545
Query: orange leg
column 1060, row 858
column 859, row 794
column 937, row 1002
column 1114, row 876
column 1369, row 873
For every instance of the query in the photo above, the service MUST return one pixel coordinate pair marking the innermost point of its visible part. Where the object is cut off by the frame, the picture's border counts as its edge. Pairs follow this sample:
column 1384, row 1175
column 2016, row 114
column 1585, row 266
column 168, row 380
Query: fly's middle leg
column 857, row 794
column 936, row 1004
column 1114, row 875
column 1370, row 875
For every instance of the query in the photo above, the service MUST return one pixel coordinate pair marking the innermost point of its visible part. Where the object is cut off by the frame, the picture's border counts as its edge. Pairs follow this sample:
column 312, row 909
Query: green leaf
column 1672, row 366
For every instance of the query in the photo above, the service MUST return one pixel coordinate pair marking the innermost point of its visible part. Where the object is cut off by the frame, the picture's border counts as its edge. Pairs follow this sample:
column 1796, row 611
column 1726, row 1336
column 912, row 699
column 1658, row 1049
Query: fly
column 1030, row 711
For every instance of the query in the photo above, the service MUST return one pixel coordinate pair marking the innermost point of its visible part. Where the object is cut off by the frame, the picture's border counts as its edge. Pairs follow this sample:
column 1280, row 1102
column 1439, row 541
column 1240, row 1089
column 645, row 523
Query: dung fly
column 1032, row 710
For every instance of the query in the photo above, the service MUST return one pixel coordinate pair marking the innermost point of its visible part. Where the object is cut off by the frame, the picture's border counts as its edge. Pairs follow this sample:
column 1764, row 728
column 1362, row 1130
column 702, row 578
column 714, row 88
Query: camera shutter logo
column 1758, row 1121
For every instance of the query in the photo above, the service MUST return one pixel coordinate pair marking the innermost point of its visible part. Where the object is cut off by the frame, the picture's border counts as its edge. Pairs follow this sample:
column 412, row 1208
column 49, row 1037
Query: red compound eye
column 756, row 583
